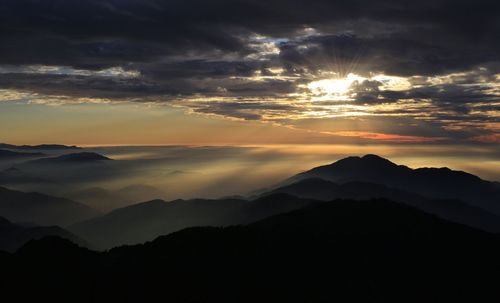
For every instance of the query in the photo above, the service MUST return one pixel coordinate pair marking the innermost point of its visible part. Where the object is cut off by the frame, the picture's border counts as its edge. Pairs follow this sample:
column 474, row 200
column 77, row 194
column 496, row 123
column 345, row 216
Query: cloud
column 432, row 60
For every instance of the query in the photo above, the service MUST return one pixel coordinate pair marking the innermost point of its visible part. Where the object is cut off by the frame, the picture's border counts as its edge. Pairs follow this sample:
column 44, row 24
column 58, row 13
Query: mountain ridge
column 41, row 209
column 435, row 183
column 38, row 147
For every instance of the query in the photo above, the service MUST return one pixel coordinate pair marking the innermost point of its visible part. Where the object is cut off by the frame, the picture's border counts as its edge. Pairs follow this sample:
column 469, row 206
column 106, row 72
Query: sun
column 332, row 89
column 330, row 86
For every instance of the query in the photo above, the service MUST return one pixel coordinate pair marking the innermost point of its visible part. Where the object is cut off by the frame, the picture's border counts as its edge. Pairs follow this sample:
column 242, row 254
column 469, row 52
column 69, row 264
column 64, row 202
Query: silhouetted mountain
column 8, row 154
column 13, row 236
column 139, row 192
column 436, row 183
column 68, row 168
column 97, row 198
column 453, row 210
column 84, row 157
column 41, row 209
column 375, row 178
column 38, row 147
column 341, row 251
column 145, row 221
column 108, row 200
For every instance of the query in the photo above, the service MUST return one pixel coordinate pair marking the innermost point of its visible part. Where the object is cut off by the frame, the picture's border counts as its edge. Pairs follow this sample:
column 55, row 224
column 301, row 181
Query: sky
column 239, row 72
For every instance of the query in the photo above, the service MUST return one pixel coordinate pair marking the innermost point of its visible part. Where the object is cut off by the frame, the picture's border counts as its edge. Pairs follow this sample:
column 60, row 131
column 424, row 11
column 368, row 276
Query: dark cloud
column 103, row 33
column 244, row 49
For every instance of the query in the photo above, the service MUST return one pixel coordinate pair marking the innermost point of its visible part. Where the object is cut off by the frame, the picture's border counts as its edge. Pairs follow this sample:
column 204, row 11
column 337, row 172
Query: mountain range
column 40, row 209
column 107, row 200
column 358, row 178
column 38, row 147
column 362, row 229
column 435, row 183
column 449, row 209
column 145, row 221
column 345, row 250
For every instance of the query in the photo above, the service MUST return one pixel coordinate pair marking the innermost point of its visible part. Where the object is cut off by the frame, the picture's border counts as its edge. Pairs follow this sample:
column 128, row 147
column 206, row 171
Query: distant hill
column 341, row 251
column 145, row 221
column 84, row 157
column 41, row 209
column 453, row 210
column 7, row 154
column 13, row 236
column 37, row 147
column 67, row 168
column 436, row 183
column 107, row 200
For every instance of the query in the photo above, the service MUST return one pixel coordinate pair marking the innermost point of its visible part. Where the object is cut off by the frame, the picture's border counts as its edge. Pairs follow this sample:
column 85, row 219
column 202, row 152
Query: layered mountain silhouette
column 13, row 236
column 107, row 200
column 345, row 250
column 453, row 210
column 145, row 221
column 41, row 209
column 436, row 183
column 355, row 178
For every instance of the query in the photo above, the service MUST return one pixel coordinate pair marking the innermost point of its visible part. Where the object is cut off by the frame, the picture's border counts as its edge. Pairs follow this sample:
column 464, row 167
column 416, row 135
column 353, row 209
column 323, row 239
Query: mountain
column 435, row 183
column 73, row 168
column 357, row 178
column 97, row 198
column 38, row 147
column 452, row 210
column 13, row 236
column 7, row 154
column 145, row 221
column 139, row 192
column 84, row 157
column 108, row 200
column 41, row 209
column 345, row 251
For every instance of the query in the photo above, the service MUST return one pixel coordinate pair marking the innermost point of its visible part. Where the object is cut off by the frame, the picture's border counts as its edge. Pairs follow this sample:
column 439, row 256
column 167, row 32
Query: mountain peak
column 373, row 157
column 365, row 162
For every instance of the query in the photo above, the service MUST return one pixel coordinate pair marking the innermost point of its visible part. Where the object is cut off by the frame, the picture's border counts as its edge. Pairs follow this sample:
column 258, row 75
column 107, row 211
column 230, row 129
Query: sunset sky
column 222, row 72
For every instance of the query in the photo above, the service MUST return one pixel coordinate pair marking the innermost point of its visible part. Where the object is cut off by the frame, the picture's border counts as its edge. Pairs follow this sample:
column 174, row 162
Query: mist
column 141, row 173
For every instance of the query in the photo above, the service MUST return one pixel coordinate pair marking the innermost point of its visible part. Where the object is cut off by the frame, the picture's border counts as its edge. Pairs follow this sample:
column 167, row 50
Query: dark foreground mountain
column 145, row 221
column 435, row 183
column 452, row 210
column 341, row 251
column 41, row 209
column 13, row 236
